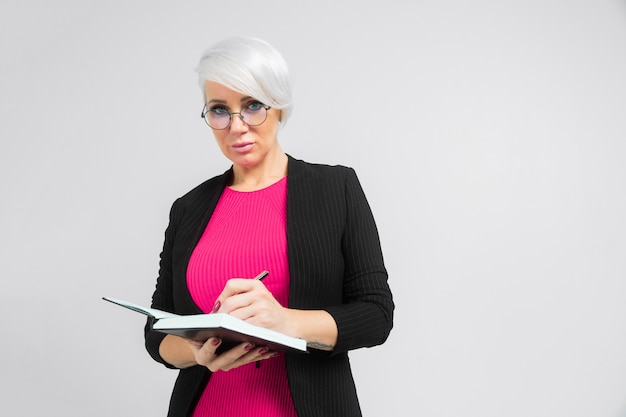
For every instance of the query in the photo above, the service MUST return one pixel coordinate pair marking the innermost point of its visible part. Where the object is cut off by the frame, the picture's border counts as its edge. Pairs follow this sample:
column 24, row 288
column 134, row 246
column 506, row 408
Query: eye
column 254, row 106
column 219, row 111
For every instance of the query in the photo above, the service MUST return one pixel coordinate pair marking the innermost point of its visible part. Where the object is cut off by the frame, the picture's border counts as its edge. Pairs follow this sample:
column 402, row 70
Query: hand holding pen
column 230, row 283
column 250, row 300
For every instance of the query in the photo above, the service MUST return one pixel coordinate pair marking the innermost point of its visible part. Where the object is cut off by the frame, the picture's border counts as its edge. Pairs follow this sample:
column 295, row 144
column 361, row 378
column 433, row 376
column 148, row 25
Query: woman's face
column 244, row 145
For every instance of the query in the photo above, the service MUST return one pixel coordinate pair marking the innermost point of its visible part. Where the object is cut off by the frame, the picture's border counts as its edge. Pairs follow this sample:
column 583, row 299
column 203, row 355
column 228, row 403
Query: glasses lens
column 254, row 114
column 217, row 118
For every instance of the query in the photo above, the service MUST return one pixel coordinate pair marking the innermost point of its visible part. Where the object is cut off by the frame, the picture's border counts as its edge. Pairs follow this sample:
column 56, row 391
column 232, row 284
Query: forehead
column 217, row 92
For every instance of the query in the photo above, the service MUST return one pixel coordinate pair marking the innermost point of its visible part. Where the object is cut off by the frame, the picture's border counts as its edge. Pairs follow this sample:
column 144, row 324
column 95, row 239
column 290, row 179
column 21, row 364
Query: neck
column 271, row 169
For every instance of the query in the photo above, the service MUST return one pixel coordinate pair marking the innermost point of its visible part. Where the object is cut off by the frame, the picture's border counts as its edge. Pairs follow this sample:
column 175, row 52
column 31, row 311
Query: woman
column 309, row 225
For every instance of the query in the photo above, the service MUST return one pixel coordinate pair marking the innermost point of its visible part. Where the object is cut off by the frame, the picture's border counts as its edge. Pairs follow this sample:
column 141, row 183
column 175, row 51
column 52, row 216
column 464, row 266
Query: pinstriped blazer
column 335, row 264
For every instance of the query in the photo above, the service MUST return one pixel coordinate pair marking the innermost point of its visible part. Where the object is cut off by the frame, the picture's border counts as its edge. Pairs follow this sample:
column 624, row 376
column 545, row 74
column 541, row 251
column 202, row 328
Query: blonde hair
column 252, row 67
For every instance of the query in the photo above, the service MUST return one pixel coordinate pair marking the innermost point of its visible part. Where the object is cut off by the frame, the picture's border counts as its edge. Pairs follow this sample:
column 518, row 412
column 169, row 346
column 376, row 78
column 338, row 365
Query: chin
column 245, row 161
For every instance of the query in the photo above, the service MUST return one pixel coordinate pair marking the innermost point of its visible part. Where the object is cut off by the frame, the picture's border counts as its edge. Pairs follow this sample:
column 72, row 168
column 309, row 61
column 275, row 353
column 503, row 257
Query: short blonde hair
column 252, row 67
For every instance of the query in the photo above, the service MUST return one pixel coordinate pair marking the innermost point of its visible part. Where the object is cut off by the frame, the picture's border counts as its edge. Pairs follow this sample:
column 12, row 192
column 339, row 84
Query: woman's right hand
column 242, row 354
column 185, row 353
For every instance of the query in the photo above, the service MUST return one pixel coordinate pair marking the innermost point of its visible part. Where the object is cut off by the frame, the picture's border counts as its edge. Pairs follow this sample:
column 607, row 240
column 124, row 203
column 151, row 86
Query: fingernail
column 249, row 346
column 216, row 306
column 216, row 341
column 263, row 351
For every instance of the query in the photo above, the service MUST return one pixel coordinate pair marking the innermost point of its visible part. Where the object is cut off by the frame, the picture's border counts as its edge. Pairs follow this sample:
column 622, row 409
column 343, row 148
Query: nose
column 236, row 122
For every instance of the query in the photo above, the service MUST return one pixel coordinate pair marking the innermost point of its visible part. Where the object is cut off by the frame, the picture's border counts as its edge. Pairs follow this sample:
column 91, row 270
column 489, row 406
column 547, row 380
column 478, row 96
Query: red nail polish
column 249, row 346
column 215, row 341
column 263, row 351
column 216, row 306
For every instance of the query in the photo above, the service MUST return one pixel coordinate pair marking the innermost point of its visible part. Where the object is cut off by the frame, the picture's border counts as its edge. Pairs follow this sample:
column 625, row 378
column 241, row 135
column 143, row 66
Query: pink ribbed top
column 246, row 234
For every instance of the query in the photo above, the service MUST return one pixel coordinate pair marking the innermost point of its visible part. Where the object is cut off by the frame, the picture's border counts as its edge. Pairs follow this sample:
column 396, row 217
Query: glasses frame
column 230, row 117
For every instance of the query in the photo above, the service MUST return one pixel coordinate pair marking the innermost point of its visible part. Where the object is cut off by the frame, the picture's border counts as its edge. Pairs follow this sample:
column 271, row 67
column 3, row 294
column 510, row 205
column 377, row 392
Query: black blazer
column 335, row 264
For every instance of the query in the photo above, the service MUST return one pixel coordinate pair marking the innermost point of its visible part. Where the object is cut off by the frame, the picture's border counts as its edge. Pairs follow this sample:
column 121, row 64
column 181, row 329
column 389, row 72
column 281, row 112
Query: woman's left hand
column 249, row 300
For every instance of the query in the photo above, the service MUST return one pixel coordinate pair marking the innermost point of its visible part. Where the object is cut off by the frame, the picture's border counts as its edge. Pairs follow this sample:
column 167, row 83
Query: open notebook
column 231, row 330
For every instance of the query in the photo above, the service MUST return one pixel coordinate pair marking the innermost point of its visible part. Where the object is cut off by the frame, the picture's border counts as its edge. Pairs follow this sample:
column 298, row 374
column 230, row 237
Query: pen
column 262, row 275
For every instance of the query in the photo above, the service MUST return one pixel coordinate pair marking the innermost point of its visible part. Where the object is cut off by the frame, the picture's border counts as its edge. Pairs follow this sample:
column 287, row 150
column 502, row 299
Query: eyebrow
column 219, row 101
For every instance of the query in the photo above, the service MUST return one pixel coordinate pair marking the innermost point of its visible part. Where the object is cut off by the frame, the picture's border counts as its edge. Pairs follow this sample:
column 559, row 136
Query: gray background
column 489, row 137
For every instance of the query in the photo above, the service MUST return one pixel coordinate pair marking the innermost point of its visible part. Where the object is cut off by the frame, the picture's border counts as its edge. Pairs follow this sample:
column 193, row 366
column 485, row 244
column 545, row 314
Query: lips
column 243, row 147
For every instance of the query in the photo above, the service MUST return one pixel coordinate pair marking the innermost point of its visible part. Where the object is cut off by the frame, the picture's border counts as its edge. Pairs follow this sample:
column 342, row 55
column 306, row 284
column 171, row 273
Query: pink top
column 246, row 235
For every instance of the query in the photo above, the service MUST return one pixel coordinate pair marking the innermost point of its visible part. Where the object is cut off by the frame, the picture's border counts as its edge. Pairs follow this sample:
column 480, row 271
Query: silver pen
column 262, row 275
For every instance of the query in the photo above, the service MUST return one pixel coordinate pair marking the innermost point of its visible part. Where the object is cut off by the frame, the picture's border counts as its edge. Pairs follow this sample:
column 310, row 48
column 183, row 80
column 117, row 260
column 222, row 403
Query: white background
column 489, row 137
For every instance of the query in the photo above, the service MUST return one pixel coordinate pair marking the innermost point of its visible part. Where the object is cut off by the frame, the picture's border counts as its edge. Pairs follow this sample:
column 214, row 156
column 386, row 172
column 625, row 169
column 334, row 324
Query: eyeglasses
column 218, row 117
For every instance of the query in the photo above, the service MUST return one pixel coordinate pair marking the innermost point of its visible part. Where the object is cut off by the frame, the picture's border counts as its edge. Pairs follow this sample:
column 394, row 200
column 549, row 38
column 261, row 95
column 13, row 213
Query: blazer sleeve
column 365, row 318
column 162, row 297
